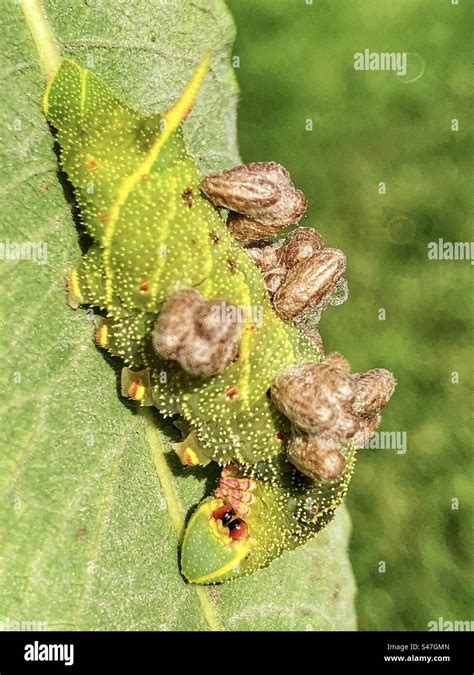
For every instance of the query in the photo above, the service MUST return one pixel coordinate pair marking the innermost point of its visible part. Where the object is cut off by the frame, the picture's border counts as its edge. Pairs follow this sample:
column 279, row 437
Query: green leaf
column 91, row 496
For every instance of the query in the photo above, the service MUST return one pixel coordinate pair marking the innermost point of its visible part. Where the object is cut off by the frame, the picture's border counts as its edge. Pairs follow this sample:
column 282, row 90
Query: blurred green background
column 297, row 63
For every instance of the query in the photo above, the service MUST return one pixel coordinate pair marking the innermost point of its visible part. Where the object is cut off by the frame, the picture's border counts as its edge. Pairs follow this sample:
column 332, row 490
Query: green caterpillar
column 154, row 233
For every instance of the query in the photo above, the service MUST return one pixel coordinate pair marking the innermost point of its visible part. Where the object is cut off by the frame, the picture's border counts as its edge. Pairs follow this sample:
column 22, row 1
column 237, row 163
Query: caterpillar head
column 216, row 543
column 242, row 527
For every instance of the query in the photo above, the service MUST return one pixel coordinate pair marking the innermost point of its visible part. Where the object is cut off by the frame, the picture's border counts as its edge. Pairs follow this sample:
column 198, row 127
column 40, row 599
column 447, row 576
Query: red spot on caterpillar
column 237, row 529
column 92, row 165
column 144, row 286
column 133, row 389
column 232, row 264
column 145, row 176
column 231, row 393
column 104, row 217
column 281, row 436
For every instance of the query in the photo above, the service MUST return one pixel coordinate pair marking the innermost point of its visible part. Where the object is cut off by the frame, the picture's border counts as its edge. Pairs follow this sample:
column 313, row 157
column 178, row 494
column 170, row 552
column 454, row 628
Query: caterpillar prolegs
column 216, row 328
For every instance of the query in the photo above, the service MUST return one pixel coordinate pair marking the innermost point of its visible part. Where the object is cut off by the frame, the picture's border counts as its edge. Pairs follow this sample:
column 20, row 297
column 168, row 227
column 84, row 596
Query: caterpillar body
column 154, row 233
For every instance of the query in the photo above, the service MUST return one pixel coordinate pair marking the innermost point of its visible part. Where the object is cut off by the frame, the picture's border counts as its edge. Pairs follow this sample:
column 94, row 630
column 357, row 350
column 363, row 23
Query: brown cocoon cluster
column 318, row 399
column 329, row 407
column 200, row 334
column 298, row 271
column 260, row 196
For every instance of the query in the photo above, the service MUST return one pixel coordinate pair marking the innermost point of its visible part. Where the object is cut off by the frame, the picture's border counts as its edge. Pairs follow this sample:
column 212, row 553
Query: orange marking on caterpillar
column 104, row 217
column 231, row 393
column 92, row 165
column 137, row 391
column 144, row 286
column 189, row 457
column 101, row 335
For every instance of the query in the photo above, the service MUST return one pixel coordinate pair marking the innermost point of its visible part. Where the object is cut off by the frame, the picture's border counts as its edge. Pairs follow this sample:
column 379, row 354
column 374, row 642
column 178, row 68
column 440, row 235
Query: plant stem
column 42, row 34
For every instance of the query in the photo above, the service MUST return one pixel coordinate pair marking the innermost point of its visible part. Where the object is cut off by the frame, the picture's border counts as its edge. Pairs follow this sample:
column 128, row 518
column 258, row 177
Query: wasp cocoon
column 308, row 282
column 261, row 198
column 202, row 335
column 317, row 398
column 301, row 244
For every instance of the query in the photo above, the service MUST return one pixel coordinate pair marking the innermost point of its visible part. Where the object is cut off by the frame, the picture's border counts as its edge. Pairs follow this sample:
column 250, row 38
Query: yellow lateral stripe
column 183, row 105
column 47, row 90
column 228, row 567
column 46, row 94
column 173, row 118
